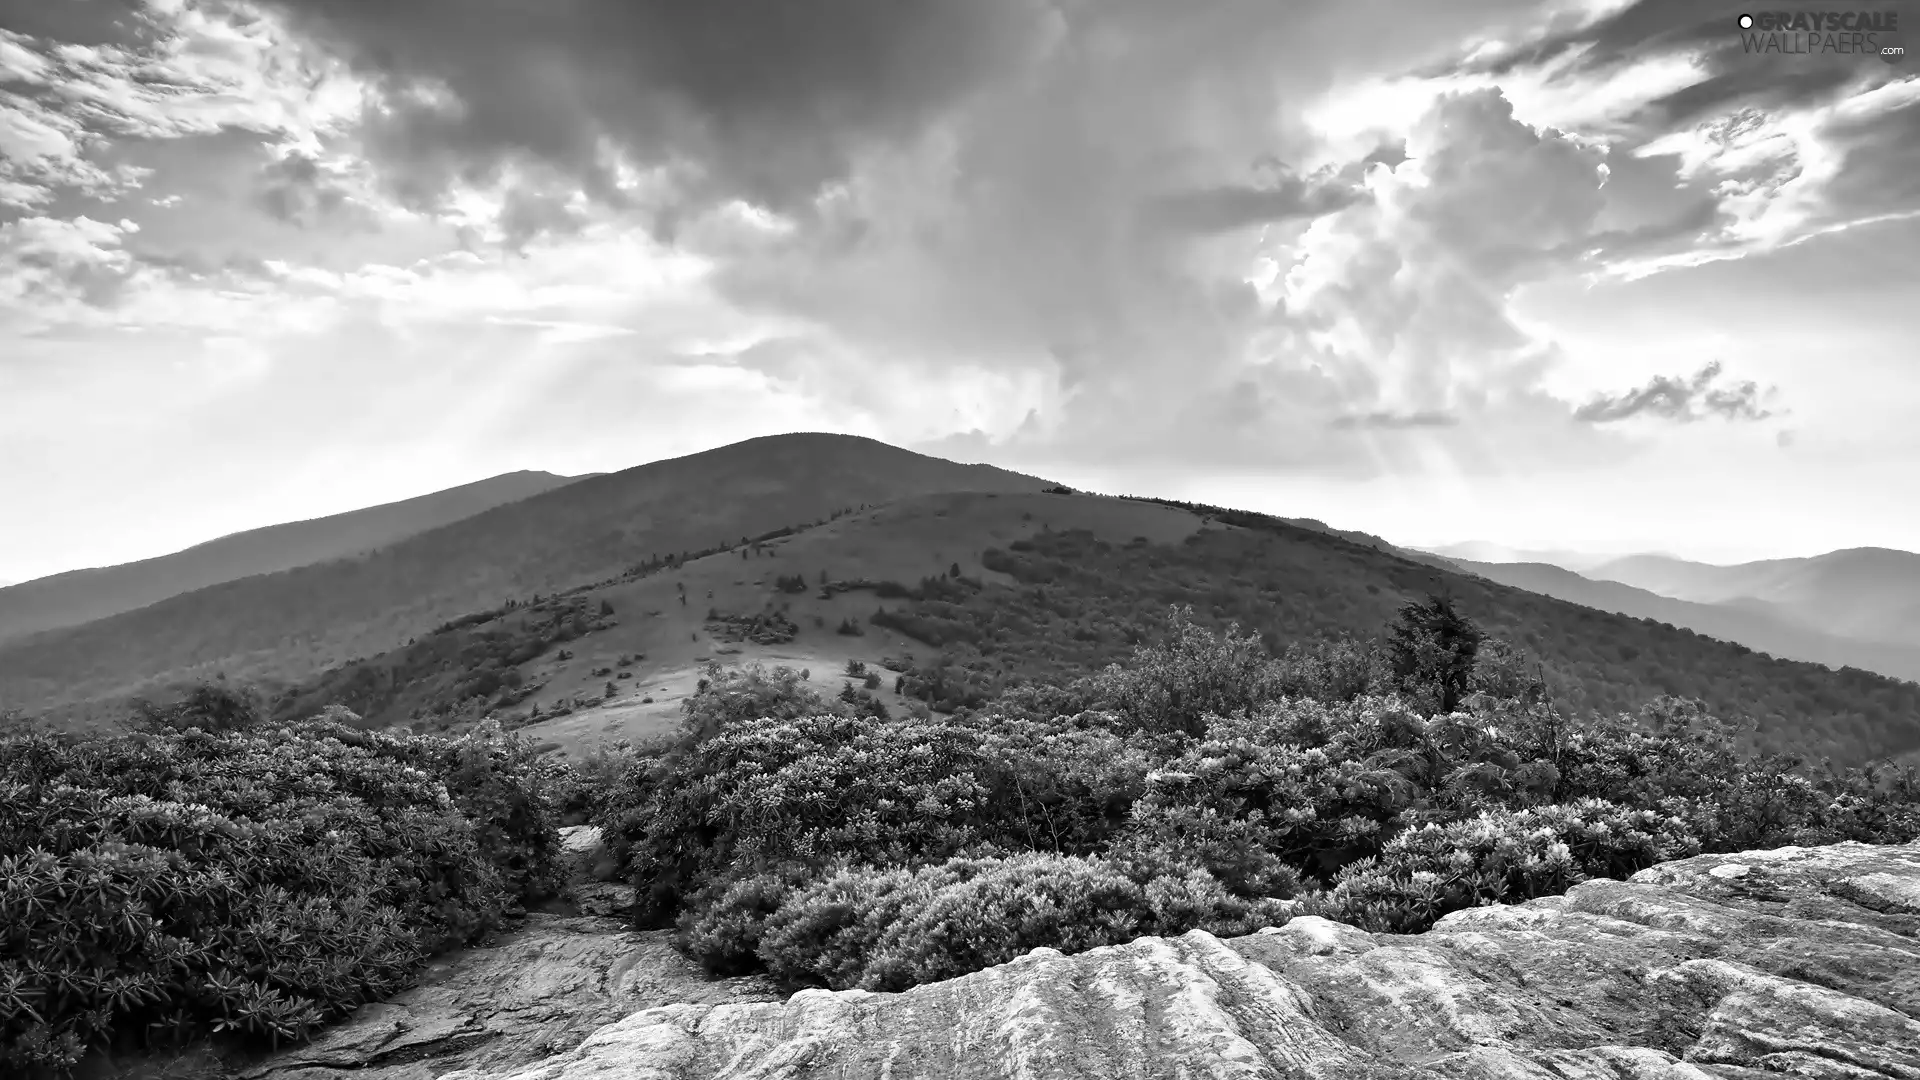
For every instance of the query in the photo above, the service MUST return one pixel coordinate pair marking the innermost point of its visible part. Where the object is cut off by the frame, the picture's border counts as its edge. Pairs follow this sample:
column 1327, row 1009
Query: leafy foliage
column 245, row 882
column 1192, row 787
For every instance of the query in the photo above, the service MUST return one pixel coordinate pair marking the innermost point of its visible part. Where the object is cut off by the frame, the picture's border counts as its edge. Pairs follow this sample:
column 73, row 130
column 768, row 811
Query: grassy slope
column 82, row 596
column 901, row 541
column 290, row 625
column 1072, row 582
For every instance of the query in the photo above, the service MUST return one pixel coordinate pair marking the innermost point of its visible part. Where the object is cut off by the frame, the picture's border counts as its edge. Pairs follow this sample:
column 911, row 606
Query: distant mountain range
column 1871, row 594
column 1856, row 607
column 82, row 596
column 1764, row 628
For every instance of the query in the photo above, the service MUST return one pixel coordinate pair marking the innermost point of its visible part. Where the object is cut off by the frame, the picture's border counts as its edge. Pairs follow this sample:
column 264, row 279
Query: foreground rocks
column 533, row 991
column 537, row 990
column 1800, row 962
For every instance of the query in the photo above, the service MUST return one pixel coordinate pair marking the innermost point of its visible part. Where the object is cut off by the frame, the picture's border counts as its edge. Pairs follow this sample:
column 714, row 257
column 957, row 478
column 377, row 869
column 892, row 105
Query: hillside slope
column 1868, row 593
column 1049, row 587
column 290, row 624
column 1757, row 625
column 81, row 596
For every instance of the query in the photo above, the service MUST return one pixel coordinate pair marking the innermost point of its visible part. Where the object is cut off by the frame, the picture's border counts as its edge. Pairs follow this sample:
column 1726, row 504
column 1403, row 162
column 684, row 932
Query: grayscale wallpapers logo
column 1826, row 32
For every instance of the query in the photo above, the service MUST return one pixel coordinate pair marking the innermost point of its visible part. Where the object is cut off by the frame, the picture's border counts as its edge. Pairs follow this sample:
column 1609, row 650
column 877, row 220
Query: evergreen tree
column 1431, row 648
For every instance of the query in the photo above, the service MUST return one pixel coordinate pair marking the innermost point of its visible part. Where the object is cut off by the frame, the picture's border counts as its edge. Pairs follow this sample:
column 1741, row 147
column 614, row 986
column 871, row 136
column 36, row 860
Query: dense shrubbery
column 205, row 874
column 1207, row 784
column 173, row 883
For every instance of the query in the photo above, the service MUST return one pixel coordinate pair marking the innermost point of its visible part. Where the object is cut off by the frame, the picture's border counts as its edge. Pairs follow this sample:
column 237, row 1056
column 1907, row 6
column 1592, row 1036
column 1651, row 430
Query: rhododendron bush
column 1199, row 788
column 159, row 886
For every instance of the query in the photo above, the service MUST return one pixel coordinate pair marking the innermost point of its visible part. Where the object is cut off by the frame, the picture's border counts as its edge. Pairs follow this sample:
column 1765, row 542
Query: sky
column 1581, row 275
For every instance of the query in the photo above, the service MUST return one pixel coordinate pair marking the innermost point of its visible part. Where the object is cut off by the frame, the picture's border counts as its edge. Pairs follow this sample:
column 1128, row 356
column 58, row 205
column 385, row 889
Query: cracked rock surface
column 1798, row 962
column 537, row 990
column 533, row 991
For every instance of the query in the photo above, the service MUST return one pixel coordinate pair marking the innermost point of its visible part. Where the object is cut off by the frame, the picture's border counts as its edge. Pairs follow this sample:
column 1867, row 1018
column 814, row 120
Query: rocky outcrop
column 535, row 991
column 1788, row 963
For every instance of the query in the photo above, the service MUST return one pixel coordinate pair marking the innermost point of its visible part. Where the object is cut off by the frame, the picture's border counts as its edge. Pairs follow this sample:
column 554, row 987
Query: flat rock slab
column 537, row 990
column 1791, row 963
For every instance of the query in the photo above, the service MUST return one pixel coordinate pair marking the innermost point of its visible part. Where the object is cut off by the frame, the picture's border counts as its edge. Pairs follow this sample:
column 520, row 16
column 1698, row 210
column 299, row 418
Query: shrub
column 190, row 883
column 498, row 782
column 212, row 706
column 723, row 926
column 1064, row 785
column 824, row 934
column 730, row 695
column 1502, row 857
column 1066, row 902
column 1175, row 685
column 892, row 928
column 759, row 792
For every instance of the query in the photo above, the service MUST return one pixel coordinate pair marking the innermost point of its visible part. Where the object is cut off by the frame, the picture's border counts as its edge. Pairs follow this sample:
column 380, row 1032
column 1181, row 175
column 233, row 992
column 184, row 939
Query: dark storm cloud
column 768, row 100
column 76, row 22
column 296, row 190
column 1682, row 400
column 1706, row 28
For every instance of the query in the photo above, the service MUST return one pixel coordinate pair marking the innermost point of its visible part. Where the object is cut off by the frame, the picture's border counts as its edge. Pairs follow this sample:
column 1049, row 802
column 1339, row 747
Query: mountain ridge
column 1870, row 593
column 1755, row 624
column 75, row 597
column 291, row 623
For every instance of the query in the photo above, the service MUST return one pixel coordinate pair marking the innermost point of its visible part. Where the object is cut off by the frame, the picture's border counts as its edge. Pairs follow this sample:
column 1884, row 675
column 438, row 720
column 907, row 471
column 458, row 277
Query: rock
column 1806, row 963
column 583, row 851
column 538, row 990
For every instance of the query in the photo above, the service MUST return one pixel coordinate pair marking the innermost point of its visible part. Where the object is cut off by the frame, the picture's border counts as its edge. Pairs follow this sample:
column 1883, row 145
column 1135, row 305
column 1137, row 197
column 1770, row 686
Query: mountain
column 590, row 610
column 1049, row 586
column 82, row 596
column 290, row 624
column 1756, row 624
column 1867, row 593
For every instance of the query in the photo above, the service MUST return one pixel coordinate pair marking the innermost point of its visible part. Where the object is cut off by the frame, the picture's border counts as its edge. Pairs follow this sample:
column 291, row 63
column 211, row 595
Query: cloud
column 1776, row 148
column 770, row 108
column 1726, row 76
column 167, row 70
column 1682, row 400
column 49, row 266
column 298, row 189
column 1404, row 299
